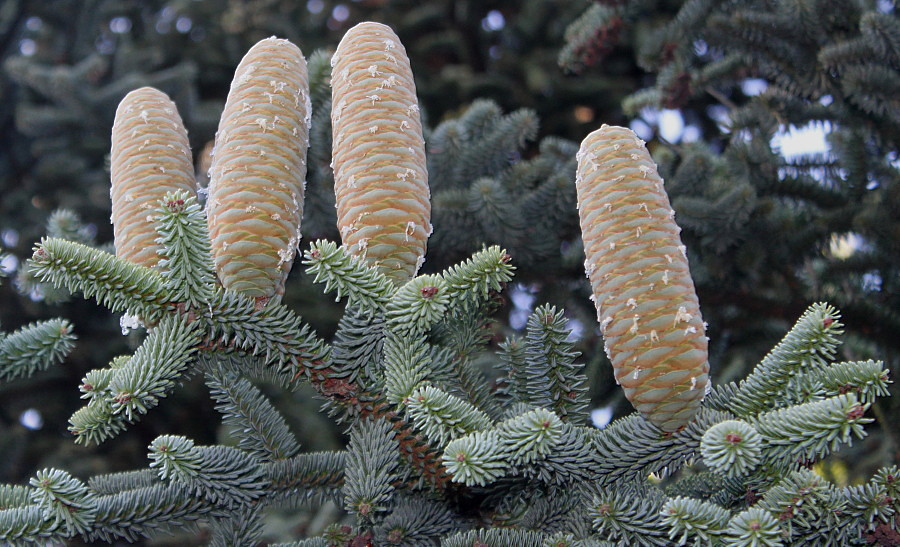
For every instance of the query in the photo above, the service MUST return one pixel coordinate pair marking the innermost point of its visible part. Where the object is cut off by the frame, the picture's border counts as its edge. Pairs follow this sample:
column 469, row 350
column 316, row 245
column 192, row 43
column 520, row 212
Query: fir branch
column 66, row 224
column 810, row 344
column 147, row 511
column 589, row 37
column 808, row 508
column 248, row 365
column 512, row 362
column 262, row 430
column 868, row 503
column 371, row 470
column 406, row 366
column 889, row 479
column 221, row 475
column 531, row 436
column 868, row 379
column 34, row 348
column 274, row 332
column 314, row 476
column 445, row 145
column 479, row 119
column 186, row 250
column 732, row 448
column 551, row 377
column 711, row 486
column 28, row 524
column 695, row 519
column 810, row 431
column 155, row 367
column 366, row 288
column 64, row 500
column 443, row 417
column 490, row 147
column 309, row 542
column 114, row 483
column 113, row 282
column 412, row 523
column 95, row 383
column 461, row 335
column 631, row 448
column 488, row 203
column 243, row 526
column 12, row 495
column 357, row 348
column 570, row 461
column 495, row 537
column 624, row 515
column 753, row 527
column 318, row 67
column 487, row 270
column 417, row 305
column 96, row 422
column 476, row 459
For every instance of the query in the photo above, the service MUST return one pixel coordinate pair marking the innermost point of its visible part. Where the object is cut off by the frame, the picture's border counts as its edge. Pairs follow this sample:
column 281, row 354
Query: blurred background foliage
column 769, row 228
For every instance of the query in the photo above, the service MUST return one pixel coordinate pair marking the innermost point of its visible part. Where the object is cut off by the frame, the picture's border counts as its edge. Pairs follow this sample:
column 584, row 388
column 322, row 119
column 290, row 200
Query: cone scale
column 258, row 170
column 380, row 178
column 150, row 157
column 646, row 304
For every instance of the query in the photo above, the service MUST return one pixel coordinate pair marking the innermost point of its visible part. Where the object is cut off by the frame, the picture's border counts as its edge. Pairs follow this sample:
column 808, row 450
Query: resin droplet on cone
column 258, row 170
column 646, row 303
column 150, row 157
column 380, row 178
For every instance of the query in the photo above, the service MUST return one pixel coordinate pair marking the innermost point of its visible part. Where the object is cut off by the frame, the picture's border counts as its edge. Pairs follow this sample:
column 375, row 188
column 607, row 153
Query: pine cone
column 645, row 298
column 258, row 170
column 380, row 178
column 150, row 157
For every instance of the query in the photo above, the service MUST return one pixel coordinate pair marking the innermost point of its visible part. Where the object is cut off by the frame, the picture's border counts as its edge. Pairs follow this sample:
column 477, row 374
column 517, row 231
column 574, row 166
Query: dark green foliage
column 371, row 470
column 34, row 348
column 252, row 418
column 140, row 512
column 220, row 475
column 550, row 377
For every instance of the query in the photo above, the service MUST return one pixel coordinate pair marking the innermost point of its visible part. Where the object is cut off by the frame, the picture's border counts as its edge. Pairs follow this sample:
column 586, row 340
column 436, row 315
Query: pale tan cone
column 258, row 170
column 150, row 157
column 380, row 177
column 646, row 303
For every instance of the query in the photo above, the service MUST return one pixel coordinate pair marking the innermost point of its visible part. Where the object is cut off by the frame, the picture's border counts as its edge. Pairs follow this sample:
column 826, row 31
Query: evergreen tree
column 433, row 456
column 766, row 235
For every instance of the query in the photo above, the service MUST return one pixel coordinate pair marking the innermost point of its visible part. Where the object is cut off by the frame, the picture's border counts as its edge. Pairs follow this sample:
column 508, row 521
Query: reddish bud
column 428, row 292
column 395, row 536
column 827, row 322
column 856, row 412
column 733, row 438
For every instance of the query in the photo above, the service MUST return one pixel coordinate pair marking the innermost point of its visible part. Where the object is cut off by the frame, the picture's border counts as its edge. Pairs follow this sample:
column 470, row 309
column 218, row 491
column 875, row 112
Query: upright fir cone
column 646, row 304
column 150, row 157
column 380, row 178
column 258, row 170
